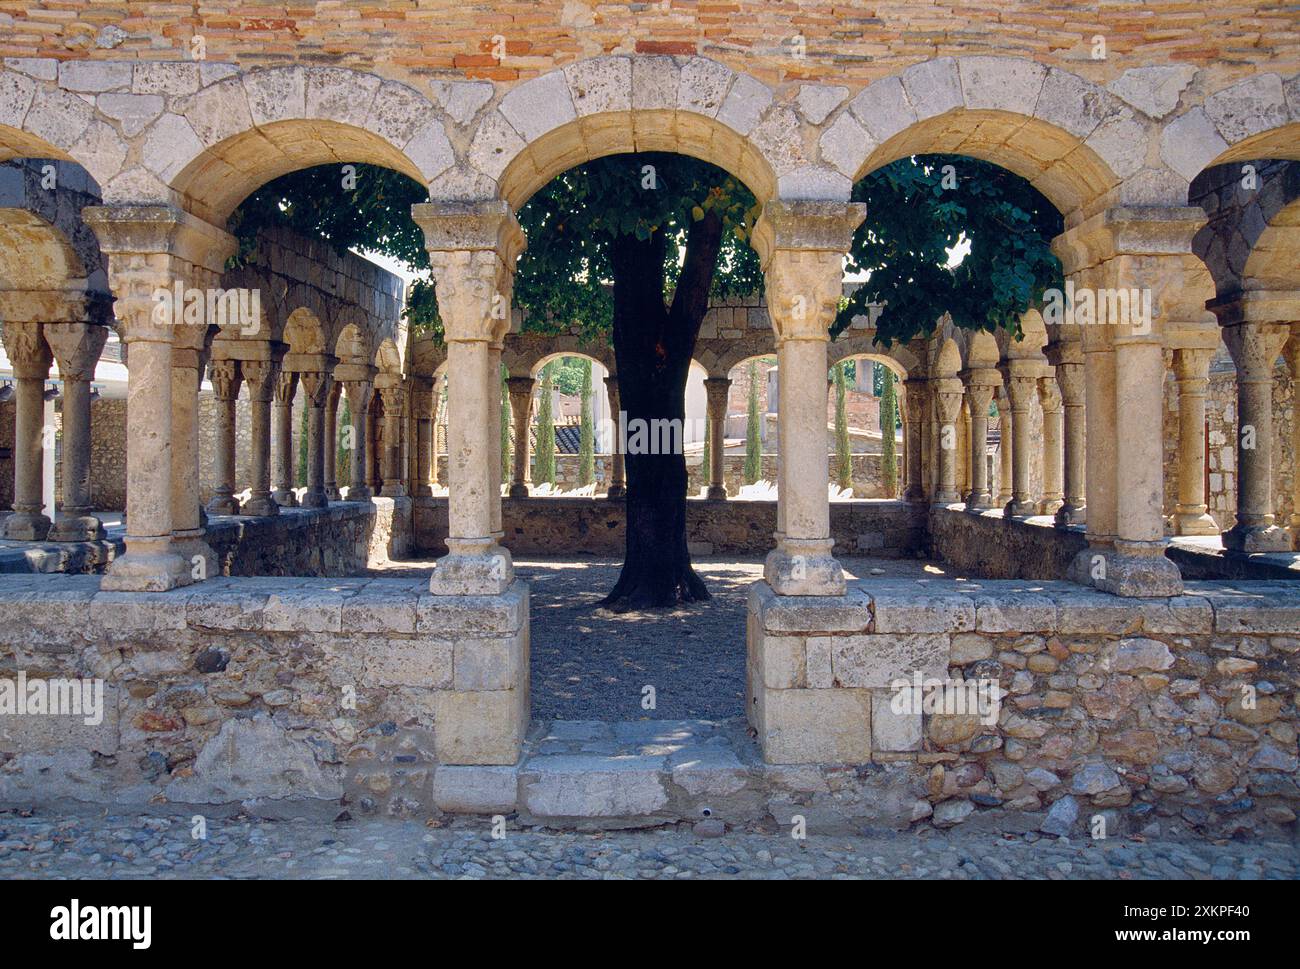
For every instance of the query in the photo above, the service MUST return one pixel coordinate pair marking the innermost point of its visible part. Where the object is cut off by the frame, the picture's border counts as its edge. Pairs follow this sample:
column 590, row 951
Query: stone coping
column 942, row 605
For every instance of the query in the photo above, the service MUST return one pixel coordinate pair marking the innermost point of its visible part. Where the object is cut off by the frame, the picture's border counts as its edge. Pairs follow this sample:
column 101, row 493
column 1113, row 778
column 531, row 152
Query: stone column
column 472, row 249
column 1067, row 358
column 422, row 410
column 1022, row 386
column 76, row 347
column 617, row 473
column 332, row 441
column 718, row 392
column 226, row 379
column 30, row 357
column 979, row 395
column 494, row 428
column 148, row 249
column 318, row 387
column 261, row 377
column 1006, row 449
column 392, row 456
column 1049, row 395
column 948, row 394
column 435, row 406
column 521, row 411
column 1292, row 351
column 373, row 479
column 286, row 389
column 801, row 246
column 360, row 393
column 1255, row 348
column 189, row 358
column 1191, row 516
column 914, row 406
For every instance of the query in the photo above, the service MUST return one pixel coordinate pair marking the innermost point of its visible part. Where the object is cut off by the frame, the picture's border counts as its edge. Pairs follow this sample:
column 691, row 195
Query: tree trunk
column 653, row 347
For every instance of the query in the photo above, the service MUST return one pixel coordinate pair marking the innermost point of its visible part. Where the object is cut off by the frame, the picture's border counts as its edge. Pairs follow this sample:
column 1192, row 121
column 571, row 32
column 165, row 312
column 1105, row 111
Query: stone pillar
column 189, row 358
column 332, row 442
column 472, row 249
column 318, row 387
column 360, row 393
column 521, row 411
column 261, row 378
column 1049, row 395
column 1022, row 386
column 617, row 473
column 286, row 388
column 76, row 347
column 30, row 357
column 422, row 410
column 914, row 406
column 226, row 379
column 392, row 456
column 368, row 445
column 1191, row 516
column 1067, row 358
column 1255, row 348
column 980, row 388
column 948, row 394
column 801, row 246
column 1006, row 449
column 435, row 406
column 495, row 458
column 718, row 392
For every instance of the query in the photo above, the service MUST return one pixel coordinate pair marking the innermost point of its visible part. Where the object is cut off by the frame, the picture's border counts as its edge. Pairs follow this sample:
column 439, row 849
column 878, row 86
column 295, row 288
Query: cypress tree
column 753, row 434
column 544, row 471
column 843, row 454
column 587, row 437
column 888, row 427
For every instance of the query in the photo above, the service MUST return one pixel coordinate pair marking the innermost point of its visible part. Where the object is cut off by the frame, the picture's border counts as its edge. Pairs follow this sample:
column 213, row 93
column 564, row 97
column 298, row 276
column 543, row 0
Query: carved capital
column 76, row 348
column 260, row 375
column 359, row 394
column 27, row 350
column 1069, row 376
column 1049, row 394
column 317, row 386
column 226, row 379
column 1255, row 348
column 286, row 385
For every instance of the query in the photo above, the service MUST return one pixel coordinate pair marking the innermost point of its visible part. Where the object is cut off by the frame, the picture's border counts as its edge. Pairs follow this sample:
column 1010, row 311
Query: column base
column 285, row 498
column 518, row 489
column 1256, row 538
column 1132, row 571
column 717, row 492
column 1194, row 522
column 1050, row 506
column 333, row 493
column 223, row 505
column 360, row 494
column 473, row 567
column 1019, row 509
column 260, row 507
column 24, row 526
column 422, row 491
column 1069, row 514
column 616, row 492
column 200, row 560
column 804, row 568
column 977, row 502
column 77, row 528
column 154, row 568
column 393, row 489
column 314, row 499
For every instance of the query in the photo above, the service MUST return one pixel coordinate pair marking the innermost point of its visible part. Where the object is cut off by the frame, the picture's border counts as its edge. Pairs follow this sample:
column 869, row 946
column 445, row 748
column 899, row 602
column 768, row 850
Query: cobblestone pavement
column 49, row 846
column 590, row 664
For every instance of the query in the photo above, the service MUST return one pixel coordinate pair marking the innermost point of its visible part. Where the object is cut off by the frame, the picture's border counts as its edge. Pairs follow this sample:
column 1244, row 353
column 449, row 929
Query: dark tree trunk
column 653, row 346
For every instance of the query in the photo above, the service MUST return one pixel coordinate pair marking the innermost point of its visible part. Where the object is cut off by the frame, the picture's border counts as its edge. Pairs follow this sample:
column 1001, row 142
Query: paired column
column 801, row 245
column 1067, row 358
column 332, row 441
column 980, row 388
column 521, row 416
column 947, row 398
column 472, row 249
column 1292, row 351
column 1006, row 449
column 1021, row 380
column 617, row 474
column 319, row 387
column 1049, row 396
column 189, row 357
column 422, row 405
column 286, row 388
column 226, row 378
column 1255, row 347
column 261, row 376
column 1191, row 516
column 76, row 348
column 30, row 358
column 718, row 392
column 391, row 459
column 914, row 398
column 360, row 393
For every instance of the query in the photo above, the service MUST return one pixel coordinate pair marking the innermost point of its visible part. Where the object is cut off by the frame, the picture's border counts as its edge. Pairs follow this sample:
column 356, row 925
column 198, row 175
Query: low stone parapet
column 989, row 545
column 1179, row 706
column 268, row 695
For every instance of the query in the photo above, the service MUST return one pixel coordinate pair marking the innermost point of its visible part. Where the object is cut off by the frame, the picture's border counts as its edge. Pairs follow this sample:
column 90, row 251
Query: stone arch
column 1071, row 139
column 304, row 332
column 388, row 358
column 1247, row 120
column 606, row 359
column 353, row 344
column 608, row 105
column 229, row 138
column 979, row 349
column 1273, row 263
column 898, row 357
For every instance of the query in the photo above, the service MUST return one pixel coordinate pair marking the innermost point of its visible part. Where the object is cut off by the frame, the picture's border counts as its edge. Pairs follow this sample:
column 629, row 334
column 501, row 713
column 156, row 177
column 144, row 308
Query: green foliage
column 567, row 374
column 544, row 466
column 888, row 428
column 914, row 218
column 753, row 432
column 586, row 432
column 843, row 453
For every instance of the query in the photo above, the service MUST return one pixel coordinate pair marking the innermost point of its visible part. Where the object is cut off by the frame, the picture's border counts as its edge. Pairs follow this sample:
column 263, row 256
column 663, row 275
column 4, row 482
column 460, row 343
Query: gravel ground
column 49, row 846
column 589, row 664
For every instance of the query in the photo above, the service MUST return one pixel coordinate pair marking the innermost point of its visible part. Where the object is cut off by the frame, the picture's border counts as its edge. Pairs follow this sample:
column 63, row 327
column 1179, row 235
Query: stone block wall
column 262, row 695
column 1138, row 710
column 597, row 526
column 108, row 453
column 994, row 547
